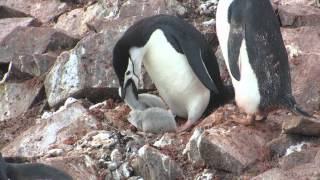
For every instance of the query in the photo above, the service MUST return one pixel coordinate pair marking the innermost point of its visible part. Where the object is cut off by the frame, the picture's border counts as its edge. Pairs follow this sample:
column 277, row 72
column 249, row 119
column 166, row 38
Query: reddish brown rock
column 294, row 2
column 148, row 8
column 303, row 49
column 302, row 126
column 272, row 174
column 75, row 22
column 227, row 148
column 298, row 15
column 43, row 10
column 7, row 25
column 78, row 166
column 297, row 158
column 34, row 40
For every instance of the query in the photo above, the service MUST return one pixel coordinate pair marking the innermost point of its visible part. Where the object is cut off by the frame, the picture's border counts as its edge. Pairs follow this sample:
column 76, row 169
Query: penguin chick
column 31, row 171
column 143, row 101
column 153, row 120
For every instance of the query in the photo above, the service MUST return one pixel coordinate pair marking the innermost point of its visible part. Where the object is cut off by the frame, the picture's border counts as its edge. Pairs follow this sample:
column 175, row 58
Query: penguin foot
column 260, row 117
column 248, row 121
column 185, row 126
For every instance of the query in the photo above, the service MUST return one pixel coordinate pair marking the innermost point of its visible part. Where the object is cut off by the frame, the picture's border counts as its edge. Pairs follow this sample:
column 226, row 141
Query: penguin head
column 127, row 75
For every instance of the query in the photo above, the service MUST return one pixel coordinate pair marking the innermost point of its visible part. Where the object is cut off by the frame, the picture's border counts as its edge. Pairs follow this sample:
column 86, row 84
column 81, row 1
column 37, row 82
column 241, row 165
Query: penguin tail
column 292, row 105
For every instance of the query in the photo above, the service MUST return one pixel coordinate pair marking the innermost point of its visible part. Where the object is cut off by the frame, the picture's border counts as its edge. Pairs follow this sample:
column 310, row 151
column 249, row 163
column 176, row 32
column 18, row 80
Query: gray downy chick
column 153, row 120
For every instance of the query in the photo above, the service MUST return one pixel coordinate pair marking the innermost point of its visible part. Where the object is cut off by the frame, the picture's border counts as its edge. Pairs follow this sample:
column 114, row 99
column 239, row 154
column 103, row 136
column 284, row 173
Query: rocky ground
column 59, row 103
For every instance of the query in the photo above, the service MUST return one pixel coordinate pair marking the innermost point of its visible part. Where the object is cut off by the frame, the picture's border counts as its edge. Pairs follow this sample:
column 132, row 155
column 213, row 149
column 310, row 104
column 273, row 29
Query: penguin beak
column 129, row 85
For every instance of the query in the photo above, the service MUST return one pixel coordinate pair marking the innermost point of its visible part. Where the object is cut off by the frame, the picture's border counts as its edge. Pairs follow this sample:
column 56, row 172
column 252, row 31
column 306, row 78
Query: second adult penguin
column 253, row 48
column 179, row 61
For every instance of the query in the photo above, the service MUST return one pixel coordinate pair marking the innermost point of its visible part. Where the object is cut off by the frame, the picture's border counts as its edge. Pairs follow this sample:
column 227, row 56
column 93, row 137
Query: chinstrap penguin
column 179, row 61
column 251, row 42
column 30, row 171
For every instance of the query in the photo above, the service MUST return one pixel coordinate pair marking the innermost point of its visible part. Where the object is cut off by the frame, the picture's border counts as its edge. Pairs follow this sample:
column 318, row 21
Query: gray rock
column 125, row 170
column 208, row 7
column 153, row 120
column 297, row 158
column 34, row 40
column 192, row 148
column 152, row 164
column 85, row 71
column 302, row 125
column 68, row 121
column 16, row 98
column 55, row 152
column 279, row 146
column 165, row 140
column 116, row 156
column 23, row 67
column 205, row 175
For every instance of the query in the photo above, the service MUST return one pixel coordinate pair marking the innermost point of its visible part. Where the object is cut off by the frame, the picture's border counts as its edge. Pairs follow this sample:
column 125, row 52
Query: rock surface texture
column 59, row 101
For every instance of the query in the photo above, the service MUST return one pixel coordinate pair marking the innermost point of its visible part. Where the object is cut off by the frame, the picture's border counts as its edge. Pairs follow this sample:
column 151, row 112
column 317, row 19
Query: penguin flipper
column 236, row 36
column 196, row 61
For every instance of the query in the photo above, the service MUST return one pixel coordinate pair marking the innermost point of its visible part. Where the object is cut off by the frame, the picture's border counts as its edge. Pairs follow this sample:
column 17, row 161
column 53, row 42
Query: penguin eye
column 128, row 73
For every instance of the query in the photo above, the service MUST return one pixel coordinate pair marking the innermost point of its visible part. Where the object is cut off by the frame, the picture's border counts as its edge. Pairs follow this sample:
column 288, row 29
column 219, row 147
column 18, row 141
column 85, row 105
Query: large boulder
column 303, row 48
column 75, row 22
column 34, row 40
column 298, row 15
column 7, row 25
column 43, row 10
column 52, row 132
column 84, row 71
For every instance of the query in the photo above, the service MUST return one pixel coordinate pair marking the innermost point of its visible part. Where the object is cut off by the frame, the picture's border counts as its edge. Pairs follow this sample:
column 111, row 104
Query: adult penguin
column 252, row 45
column 179, row 61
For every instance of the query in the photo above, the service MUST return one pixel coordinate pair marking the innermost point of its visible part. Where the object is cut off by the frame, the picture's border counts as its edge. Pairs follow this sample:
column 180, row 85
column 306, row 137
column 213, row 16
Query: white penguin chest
column 246, row 90
column 173, row 76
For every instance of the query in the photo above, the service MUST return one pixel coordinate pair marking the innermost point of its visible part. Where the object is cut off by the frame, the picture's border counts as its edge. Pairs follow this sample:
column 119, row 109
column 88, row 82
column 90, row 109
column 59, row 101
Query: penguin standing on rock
column 179, row 61
column 252, row 45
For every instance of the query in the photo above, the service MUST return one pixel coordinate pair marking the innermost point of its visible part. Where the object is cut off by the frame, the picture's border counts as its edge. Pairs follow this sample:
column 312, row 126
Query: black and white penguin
column 30, row 171
column 252, row 45
column 178, row 59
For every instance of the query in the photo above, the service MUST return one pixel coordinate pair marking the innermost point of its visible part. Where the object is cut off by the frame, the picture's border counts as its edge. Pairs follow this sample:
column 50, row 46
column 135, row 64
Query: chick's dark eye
column 128, row 73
